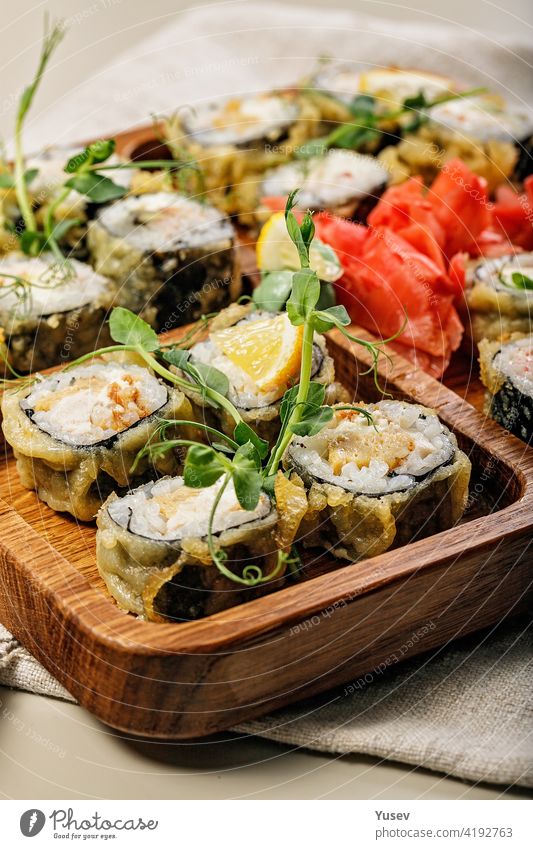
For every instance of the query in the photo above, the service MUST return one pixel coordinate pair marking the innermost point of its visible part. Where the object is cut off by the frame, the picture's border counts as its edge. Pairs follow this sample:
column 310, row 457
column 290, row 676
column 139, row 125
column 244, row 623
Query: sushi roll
column 389, row 86
column 507, row 373
column 260, row 354
column 496, row 299
column 235, row 140
column 76, row 433
column 343, row 182
column 242, row 122
column 50, row 314
column 489, row 118
column 152, row 552
column 172, row 258
column 485, row 117
column 380, row 483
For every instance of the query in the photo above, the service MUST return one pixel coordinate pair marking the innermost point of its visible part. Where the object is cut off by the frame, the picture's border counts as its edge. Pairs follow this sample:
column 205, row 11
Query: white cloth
column 238, row 46
column 465, row 711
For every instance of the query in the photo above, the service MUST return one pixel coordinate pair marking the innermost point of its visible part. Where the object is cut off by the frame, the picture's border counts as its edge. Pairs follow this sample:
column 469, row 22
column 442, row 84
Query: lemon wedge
column 269, row 350
column 276, row 252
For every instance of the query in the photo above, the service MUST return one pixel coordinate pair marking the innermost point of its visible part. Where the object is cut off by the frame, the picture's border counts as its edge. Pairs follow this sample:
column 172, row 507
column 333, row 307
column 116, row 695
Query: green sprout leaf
column 312, row 415
column 51, row 40
column 61, row 228
column 96, row 187
column 128, row 329
column 243, row 433
column 295, row 232
column 324, row 320
column 313, row 422
column 275, row 287
column 30, row 175
column 272, row 293
column 205, row 375
column 177, row 357
column 32, row 242
column 7, row 181
column 213, row 378
column 304, row 296
column 522, row 281
column 98, row 151
column 247, row 478
column 362, row 104
column 203, row 467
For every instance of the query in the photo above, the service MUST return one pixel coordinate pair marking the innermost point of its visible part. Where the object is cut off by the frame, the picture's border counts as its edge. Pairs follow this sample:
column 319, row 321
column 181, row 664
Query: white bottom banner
column 267, row 824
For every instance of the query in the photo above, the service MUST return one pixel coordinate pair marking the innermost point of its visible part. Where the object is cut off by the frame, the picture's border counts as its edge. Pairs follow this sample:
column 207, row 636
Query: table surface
column 51, row 749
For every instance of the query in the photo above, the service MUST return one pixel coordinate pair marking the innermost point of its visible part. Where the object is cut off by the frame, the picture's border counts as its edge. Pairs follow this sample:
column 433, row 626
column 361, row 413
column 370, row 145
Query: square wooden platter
column 340, row 622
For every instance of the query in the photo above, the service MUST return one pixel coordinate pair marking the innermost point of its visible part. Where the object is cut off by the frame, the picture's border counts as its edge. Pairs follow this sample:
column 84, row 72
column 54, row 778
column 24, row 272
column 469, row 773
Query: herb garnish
column 85, row 173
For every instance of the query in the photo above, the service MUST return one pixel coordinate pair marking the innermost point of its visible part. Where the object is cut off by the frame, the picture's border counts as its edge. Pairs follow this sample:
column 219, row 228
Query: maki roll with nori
column 237, row 139
column 260, row 354
column 51, row 313
column 242, row 121
column 342, row 182
column 389, row 86
column 489, row 118
column 76, row 433
column 171, row 258
column 507, row 373
column 379, row 482
column 499, row 296
column 152, row 549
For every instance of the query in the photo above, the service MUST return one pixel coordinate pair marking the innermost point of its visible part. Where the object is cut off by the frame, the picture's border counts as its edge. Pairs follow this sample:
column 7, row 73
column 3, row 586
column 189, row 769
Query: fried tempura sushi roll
column 507, row 373
column 260, row 354
column 153, row 554
column 374, row 484
column 171, row 257
column 51, row 313
column 497, row 296
column 342, row 182
column 75, row 434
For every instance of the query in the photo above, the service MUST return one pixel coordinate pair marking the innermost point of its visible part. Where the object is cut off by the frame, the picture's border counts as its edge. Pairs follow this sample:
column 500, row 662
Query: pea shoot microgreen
column 85, row 174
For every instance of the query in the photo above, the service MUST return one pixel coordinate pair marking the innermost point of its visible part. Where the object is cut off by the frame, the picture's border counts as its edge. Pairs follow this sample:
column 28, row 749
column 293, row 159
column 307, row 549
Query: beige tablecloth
column 466, row 710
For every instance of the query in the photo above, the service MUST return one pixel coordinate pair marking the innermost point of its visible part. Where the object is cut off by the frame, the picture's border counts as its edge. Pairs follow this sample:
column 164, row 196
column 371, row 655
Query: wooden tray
column 341, row 622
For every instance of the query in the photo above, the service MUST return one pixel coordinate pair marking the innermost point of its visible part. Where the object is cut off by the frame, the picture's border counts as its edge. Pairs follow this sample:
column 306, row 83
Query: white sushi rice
column 404, row 443
column 45, row 287
column 515, row 363
column 484, row 118
column 169, row 510
column 164, row 222
column 241, row 120
column 91, row 403
column 243, row 391
column 498, row 273
column 325, row 182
